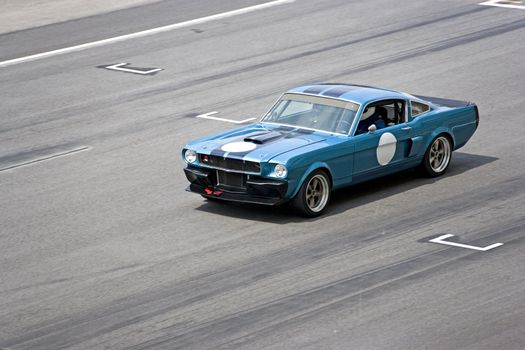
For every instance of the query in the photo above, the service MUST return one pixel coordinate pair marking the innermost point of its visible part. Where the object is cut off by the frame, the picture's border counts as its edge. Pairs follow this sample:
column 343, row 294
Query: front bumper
column 257, row 189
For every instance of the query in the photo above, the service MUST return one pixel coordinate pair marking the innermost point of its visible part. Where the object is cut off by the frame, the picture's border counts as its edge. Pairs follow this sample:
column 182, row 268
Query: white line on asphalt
column 209, row 116
column 441, row 240
column 119, row 67
column 61, row 154
column 145, row 32
column 497, row 4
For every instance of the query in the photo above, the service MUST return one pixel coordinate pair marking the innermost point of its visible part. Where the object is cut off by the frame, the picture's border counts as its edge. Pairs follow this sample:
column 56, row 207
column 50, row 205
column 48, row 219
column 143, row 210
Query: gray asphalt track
column 103, row 249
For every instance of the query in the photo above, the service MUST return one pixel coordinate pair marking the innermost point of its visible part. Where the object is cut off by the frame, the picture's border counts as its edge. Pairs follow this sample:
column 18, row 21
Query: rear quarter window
column 418, row 108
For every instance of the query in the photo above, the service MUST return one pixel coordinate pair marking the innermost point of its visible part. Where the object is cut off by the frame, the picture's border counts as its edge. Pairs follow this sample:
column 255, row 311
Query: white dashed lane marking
column 144, row 33
column 121, row 67
column 518, row 5
column 210, row 114
column 441, row 240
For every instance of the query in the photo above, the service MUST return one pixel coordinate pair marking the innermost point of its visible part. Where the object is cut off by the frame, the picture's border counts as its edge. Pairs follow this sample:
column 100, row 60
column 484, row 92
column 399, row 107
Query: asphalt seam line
column 56, row 155
column 143, row 33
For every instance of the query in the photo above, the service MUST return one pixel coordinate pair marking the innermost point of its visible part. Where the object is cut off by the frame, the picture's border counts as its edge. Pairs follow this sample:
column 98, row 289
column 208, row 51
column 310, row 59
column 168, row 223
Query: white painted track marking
column 209, row 116
column 56, row 155
column 119, row 67
column 441, row 240
column 144, row 33
column 497, row 4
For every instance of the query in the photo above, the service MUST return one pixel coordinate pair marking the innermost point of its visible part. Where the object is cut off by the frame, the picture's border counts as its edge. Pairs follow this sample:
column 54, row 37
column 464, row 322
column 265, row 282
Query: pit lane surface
column 103, row 248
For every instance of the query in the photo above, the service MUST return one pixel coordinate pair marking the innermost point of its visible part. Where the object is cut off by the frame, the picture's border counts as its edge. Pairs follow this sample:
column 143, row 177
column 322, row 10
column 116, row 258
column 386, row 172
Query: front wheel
column 314, row 195
column 437, row 157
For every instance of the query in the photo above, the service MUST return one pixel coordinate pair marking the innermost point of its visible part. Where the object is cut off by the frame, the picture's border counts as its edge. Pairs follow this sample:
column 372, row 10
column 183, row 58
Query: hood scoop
column 263, row 137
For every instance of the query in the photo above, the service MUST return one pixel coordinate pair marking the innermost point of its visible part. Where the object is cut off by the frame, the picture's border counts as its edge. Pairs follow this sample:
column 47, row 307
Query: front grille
column 229, row 163
column 234, row 181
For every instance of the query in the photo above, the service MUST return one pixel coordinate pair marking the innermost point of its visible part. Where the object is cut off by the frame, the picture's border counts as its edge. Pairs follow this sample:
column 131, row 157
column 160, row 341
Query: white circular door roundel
column 386, row 148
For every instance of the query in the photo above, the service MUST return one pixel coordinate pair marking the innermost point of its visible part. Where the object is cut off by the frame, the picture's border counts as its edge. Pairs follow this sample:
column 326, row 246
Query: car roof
column 356, row 93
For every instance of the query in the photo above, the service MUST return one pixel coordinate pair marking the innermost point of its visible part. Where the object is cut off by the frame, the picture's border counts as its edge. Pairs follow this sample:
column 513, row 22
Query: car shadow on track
column 349, row 197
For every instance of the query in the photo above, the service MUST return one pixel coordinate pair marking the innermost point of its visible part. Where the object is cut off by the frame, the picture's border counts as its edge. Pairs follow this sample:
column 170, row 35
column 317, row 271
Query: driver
column 372, row 115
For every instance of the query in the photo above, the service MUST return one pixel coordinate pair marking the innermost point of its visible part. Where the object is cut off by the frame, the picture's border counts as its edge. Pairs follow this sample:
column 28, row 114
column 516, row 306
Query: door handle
column 406, row 128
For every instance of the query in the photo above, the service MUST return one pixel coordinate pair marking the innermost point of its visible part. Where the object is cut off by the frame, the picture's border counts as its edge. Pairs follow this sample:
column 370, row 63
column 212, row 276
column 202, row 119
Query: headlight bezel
column 280, row 171
column 190, row 156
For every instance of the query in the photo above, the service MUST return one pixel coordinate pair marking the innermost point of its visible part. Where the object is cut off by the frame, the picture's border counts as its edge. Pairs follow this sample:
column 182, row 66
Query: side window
column 418, row 108
column 382, row 114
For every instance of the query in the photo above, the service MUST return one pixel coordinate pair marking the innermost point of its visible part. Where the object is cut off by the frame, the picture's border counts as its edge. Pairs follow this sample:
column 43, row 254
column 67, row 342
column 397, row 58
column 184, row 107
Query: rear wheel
column 314, row 195
column 437, row 157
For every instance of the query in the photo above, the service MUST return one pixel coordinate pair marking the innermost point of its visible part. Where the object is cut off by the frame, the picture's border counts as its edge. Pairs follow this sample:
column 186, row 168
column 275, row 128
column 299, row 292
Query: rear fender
column 439, row 131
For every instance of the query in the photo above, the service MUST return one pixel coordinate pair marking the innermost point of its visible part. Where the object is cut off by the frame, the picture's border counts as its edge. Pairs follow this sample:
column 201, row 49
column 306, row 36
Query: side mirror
column 372, row 128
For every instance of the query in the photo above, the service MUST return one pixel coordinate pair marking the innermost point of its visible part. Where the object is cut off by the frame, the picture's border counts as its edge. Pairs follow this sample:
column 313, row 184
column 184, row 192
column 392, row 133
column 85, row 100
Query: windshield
column 313, row 112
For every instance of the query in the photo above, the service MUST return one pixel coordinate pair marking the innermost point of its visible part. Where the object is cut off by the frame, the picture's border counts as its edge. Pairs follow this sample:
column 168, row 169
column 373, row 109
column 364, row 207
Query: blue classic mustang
column 321, row 137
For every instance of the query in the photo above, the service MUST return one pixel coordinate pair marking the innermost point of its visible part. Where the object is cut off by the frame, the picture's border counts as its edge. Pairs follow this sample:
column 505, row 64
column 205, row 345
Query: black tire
column 437, row 156
column 314, row 195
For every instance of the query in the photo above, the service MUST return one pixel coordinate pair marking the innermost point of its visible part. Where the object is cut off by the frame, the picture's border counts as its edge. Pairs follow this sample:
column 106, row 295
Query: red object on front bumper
column 209, row 191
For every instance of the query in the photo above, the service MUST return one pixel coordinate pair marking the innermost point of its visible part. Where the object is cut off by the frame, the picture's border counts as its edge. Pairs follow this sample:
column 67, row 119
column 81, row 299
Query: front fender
column 293, row 190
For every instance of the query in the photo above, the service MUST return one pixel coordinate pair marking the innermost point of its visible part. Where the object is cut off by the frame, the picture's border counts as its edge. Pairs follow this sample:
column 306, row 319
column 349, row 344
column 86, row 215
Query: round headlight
column 280, row 170
column 190, row 156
